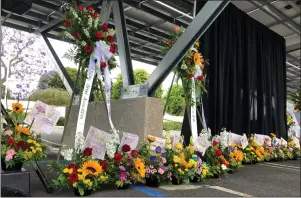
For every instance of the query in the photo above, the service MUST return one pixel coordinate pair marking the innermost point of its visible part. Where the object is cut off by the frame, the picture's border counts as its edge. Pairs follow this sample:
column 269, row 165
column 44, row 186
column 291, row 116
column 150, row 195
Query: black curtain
column 246, row 79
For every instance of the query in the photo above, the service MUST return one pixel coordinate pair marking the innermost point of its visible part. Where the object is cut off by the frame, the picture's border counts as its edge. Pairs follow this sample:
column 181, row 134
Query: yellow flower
column 92, row 167
column 179, row 146
column 176, row 165
column 273, row 134
column 23, row 130
column 86, row 181
column 176, row 159
column 37, row 145
column 29, row 141
column 39, row 149
column 66, row 170
column 197, row 58
column 80, row 177
column 151, row 138
column 192, row 163
column 233, row 145
column 197, row 44
column 186, row 169
column 231, row 154
column 27, row 155
column 17, row 107
column 190, row 148
column 74, row 184
column 103, row 178
column 34, row 151
column 140, row 167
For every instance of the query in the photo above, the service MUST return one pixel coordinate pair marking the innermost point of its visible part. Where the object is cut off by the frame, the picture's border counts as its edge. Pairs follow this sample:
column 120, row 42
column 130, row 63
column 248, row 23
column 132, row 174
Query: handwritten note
column 158, row 142
column 97, row 139
column 45, row 118
column 130, row 139
column 244, row 141
column 234, row 138
column 201, row 144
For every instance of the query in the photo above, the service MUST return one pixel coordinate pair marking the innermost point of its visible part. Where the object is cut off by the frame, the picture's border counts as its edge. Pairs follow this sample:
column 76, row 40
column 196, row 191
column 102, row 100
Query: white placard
column 234, row 138
column 296, row 142
column 130, row 139
column 158, row 142
column 201, row 144
column 259, row 139
column 244, row 141
column 45, row 118
column 97, row 139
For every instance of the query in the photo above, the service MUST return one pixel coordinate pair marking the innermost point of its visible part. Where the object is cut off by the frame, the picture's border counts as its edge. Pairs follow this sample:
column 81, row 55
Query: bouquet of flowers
column 83, row 173
column 289, row 120
column 235, row 157
column 18, row 143
column 249, row 152
column 296, row 99
column 293, row 148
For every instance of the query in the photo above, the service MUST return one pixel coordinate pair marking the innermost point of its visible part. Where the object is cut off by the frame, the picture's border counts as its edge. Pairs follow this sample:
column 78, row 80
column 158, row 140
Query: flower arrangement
column 83, row 173
column 249, row 152
column 294, row 148
column 289, row 120
column 296, row 99
column 18, row 143
column 235, row 157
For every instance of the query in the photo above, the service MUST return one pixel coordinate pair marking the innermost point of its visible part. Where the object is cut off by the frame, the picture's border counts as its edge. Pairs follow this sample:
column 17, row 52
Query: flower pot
column 124, row 187
column 86, row 192
column 196, row 179
column 17, row 167
column 175, row 181
column 152, row 182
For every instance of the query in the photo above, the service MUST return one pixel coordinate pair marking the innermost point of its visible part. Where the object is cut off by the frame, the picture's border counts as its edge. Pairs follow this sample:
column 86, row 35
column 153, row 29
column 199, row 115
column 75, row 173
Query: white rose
column 224, row 167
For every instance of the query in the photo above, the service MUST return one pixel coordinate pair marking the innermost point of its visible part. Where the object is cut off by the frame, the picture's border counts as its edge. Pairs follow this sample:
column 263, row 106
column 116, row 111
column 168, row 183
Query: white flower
column 68, row 35
column 83, row 43
column 96, row 22
column 90, row 21
column 111, row 32
column 224, row 167
column 67, row 154
column 86, row 32
column 183, row 66
column 79, row 141
column 112, row 144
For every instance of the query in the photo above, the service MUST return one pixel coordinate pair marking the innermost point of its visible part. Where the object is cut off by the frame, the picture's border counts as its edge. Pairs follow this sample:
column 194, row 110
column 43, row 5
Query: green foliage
column 176, row 101
column 61, row 122
column 170, row 125
column 140, row 77
column 52, row 96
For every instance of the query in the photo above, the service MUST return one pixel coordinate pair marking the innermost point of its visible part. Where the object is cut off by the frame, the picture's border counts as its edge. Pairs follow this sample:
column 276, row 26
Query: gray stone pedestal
column 19, row 181
column 141, row 116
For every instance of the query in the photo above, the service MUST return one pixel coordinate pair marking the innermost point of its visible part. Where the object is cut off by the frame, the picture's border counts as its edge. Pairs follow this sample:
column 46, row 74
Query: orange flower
column 197, row 44
column 151, row 138
column 197, row 58
column 17, row 108
column 23, row 130
column 176, row 28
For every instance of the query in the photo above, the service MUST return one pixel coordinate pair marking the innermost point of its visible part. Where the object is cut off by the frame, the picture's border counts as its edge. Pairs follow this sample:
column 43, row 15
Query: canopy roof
column 149, row 23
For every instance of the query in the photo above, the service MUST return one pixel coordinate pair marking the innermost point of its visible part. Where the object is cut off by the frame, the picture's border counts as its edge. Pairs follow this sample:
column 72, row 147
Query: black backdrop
column 246, row 79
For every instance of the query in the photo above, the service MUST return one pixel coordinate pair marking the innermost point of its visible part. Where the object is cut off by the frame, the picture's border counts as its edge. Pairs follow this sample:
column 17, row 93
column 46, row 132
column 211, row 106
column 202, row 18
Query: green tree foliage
column 140, row 77
column 176, row 102
column 52, row 96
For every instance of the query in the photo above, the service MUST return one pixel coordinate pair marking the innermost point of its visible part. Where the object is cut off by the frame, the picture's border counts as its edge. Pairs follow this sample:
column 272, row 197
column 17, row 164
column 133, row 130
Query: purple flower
column 122, row 168
column 123, row 176
column 158, row 149
column 153, row 159
column 198, row 153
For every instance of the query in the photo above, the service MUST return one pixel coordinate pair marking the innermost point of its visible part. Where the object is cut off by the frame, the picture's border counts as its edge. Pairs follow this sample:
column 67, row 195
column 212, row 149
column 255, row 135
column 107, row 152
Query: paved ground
column 277, row 179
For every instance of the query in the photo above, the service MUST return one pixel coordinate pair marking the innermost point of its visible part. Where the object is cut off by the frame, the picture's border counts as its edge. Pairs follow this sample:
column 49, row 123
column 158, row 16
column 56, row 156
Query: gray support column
column 195, row 30
column 123, row 44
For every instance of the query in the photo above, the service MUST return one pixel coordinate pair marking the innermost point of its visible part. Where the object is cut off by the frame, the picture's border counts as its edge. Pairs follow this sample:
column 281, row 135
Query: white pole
column 194, row 8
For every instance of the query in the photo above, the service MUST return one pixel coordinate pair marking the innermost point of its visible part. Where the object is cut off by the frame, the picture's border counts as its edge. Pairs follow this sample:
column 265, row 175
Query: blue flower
column 153, row 159
column 158, row 149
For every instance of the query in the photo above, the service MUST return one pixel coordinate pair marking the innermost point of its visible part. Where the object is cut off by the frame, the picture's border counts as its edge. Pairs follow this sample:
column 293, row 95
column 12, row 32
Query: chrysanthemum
column 92, row 167
column 17, row 107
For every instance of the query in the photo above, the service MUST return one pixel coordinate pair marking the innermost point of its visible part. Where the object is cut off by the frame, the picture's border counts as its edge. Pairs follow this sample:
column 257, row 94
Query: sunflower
column 197, row 58
column 197, row 44
column 151, row 138
column 92, row 167
column 17, row 108
column 140, row 167
column 23, row 130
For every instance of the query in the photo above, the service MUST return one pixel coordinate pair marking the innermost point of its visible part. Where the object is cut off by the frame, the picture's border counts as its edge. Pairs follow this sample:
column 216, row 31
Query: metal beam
column 195, row 30
column 58, row 65
column 293, row 59
column 293, row 48
column 123, row 44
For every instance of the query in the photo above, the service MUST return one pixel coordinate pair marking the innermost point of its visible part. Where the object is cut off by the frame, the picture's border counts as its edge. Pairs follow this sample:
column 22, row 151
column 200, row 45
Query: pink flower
column 147, row 170
column 163, row 160
column 8, row 132
column 161, row 171
column 9, row 154
column 122, row 168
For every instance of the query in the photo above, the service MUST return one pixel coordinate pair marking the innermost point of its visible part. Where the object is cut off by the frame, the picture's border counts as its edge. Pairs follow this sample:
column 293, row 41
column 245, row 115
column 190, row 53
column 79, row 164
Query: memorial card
column 45, row 118
column 130, row 139
column 259, row 139
column 97, row 139
column 244, row 141
column 201, row 144
column 296, row 142
column 234, row 138
column 283, row 142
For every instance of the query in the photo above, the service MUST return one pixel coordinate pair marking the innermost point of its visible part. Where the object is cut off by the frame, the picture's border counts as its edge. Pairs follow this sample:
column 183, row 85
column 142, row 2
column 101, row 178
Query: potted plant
column 18, row 143
column 83, row 173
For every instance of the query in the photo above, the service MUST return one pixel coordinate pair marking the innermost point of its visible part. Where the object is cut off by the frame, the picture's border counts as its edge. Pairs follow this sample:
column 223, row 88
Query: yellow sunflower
column 17, row 108
column 92, row 167
column 197, row 58
column 140, row 167
column 23, row 130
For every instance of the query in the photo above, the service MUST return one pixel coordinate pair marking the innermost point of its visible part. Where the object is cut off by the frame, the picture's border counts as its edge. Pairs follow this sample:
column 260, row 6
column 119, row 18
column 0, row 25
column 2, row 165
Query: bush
column 52, row 96
column 61, row 122
column 176, row 102
column 171, row 125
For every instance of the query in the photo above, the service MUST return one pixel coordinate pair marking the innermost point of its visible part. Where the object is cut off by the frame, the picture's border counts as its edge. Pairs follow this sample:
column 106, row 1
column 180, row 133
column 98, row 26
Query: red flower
column 191, row 75
column 135, row 153
column 113, row 48
column 80, row 8
column 103, row 64
column 76, row 35
column 73, row 178
column 90, row 8
column 217, row 164
column 110, row 38
column 88, row 49
column 105, row 27
column 118, row 157
column 214, row 143
column 88, row 151
column 11, row 141
column 104, row 165
column 254, row 146
column 218, row 152
column 250, row 141
column 73, row 166
column 201, row 78
column 188, row 62
column 68, row 23
column 96, row 14
column 98, row 35
column 126, row 148
column 21, row 144
column 171, row 43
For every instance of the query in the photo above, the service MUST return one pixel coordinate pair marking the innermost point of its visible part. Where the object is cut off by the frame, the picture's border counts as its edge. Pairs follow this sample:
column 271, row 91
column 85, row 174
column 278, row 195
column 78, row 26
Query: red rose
column 118, row 157
column 110, row 38
column 96, row 14
column 103, row 64
column 171, row 43
column 135, row 153
column 113, row 48
column 191, row 75
column 73, row 178
column 90, row 8
column 201, row 78
column 11, row 141
column 98, row 35
column 126, row 148
column 188, row 62
column 214, row 143
column 68, row 23
column 91, row 15
column 218, row 152
column 23, row 145
column 76, row 35
column 88, row 151
column 80, row 8
column 104, row 165
column 105, row 27
column 73, row 166
column 88, row 49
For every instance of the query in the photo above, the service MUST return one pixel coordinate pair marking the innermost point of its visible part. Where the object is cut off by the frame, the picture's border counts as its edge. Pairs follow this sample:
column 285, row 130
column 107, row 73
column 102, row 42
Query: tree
column 140, row 77
column 24, row 60
column 52, row 96
column 176, row 102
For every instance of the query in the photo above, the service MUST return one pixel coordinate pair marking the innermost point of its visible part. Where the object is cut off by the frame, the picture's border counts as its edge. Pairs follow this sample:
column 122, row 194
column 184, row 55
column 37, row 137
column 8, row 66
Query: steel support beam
column 195, row 30
column 58, row 65
column 293, row 48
